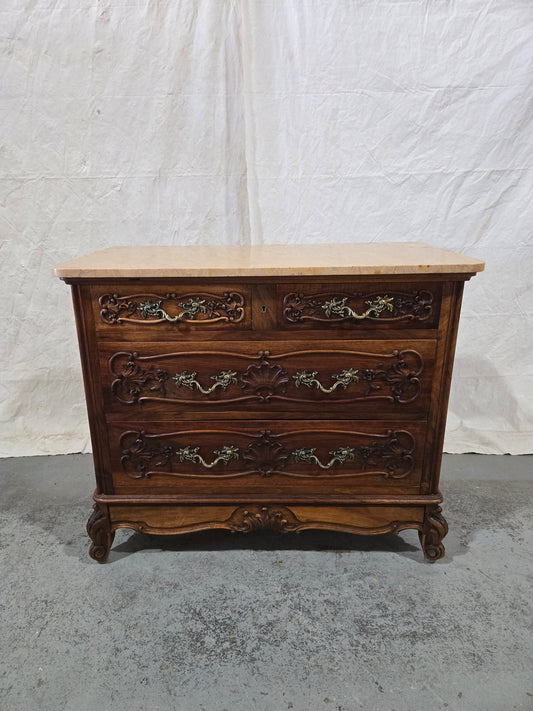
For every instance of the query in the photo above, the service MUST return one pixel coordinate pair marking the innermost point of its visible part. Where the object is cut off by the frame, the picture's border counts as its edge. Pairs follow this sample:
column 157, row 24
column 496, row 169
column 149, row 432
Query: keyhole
column 263, row 308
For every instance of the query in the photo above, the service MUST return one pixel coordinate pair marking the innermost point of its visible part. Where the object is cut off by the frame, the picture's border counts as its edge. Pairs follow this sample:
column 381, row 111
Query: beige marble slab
column 268, row 260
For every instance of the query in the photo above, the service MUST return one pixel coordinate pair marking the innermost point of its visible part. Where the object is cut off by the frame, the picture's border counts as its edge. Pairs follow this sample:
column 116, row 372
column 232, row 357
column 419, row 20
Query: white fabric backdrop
column 212, row 121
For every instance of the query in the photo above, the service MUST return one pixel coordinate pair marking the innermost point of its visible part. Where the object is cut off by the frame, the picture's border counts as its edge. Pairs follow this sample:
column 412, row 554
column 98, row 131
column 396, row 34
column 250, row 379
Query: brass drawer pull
column 222, row 380
column 229, row 452
column 307, row 454
column 343, row 379
column 190, row 309
column 225, row 455
column 337, row 307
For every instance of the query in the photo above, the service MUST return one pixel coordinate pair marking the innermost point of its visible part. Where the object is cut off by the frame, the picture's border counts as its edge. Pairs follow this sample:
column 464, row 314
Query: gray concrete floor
column 266, row 622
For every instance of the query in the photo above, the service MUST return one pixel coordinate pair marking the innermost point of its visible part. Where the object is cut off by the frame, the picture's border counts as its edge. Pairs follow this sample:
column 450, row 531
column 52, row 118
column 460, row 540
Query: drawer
column 144, row 310
column 359, row 379
column 293, row 458
column 351, row 307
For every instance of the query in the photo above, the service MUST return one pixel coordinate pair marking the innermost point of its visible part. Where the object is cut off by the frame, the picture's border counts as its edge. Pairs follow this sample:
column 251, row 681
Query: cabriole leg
column 434, row 529
column 99, row 530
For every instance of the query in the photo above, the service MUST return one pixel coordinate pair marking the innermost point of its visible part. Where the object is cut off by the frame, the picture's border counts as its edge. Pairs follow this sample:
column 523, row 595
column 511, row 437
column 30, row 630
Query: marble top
column 267, row 260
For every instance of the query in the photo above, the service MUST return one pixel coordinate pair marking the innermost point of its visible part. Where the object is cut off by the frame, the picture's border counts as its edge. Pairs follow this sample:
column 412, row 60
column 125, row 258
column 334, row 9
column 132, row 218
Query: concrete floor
column 266, row 622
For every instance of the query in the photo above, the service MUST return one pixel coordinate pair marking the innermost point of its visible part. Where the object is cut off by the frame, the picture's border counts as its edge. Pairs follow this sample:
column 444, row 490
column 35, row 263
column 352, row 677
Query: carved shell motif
column 254, row 518
column 264, row 380
column 266, row 455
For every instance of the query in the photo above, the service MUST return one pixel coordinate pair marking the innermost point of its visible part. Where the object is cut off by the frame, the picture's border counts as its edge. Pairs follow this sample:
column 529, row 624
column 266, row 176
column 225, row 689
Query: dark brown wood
column 242, row 404
column 432, row 532
column 93, row 391
column 442, row 382
column 100, row 532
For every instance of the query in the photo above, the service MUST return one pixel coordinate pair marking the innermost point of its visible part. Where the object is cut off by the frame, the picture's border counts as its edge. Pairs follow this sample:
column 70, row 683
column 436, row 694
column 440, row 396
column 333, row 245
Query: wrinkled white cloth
column 260, row 121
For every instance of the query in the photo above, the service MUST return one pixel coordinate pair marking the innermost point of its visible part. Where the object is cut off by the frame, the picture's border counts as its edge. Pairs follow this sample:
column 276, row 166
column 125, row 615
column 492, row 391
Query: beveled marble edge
column 372, row 258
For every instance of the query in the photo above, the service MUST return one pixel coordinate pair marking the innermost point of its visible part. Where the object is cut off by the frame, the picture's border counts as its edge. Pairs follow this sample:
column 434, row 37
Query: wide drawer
column 296, row 457
column 354, row 306
column 170, row 310
column 358, row 379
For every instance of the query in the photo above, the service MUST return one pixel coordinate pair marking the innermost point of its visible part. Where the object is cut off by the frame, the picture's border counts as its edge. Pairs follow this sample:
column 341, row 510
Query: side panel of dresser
column 93, row 392
column 447, row 337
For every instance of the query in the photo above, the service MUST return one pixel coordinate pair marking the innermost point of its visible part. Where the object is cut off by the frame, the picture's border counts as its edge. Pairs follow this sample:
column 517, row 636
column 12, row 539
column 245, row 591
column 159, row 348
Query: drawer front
column 152, row 311
column 372, row 379
column 352, row 306
column 293, row 458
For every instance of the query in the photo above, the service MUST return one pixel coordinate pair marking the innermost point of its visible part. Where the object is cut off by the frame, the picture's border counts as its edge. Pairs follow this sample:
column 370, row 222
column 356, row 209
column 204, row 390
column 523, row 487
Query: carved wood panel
column 394, row 377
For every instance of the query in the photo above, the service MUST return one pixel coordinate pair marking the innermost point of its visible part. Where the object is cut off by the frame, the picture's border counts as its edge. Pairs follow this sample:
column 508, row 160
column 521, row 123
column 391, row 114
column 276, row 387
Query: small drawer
column 293, row 458
column 181, row 311
column 352, row 307
column 383, row 379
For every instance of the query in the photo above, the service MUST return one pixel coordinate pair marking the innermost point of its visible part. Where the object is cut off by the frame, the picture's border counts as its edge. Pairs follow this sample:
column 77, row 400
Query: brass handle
column 307, row 454
column 337, row 307
column 190, row 309
column 229, row 452
column 343, row 379
column 225, row 455
column 222, row 380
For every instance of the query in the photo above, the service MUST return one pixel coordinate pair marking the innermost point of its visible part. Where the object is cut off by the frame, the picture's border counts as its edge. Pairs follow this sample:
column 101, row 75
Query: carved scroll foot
column 431, row 535
column 100, row 533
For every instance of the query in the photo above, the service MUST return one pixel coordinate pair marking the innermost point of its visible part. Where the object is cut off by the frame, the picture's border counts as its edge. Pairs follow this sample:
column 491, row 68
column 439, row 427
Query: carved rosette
column 99, row 531
column 416, row 306
column 265, row 381
column 132, row 381
column 171, row 307
column 434, row 529
column 401, row 377
column 254, row 518
column 140, row 456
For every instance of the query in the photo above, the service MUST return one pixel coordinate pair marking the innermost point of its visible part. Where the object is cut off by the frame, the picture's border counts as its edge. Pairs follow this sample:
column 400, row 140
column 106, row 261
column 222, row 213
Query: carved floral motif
column 134, row 381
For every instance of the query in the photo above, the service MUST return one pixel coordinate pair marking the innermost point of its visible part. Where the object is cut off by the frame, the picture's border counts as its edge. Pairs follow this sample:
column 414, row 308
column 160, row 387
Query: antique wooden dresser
column 280, row 387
